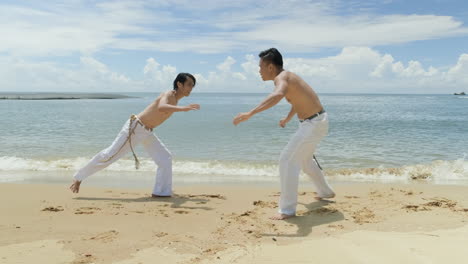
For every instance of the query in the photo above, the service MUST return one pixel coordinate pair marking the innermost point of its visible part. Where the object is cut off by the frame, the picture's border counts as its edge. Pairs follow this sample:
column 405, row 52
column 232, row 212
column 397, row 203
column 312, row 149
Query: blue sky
column 139, row 46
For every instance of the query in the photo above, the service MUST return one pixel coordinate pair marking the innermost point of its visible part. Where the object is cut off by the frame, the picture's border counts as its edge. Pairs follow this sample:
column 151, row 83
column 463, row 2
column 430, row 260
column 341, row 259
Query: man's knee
column 165, row 160
column 285, row 158
column 310, row 166
column 105, row 156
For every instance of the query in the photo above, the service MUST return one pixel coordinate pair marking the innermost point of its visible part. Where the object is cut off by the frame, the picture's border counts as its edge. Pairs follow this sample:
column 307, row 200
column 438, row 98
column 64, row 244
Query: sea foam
column 439, row 172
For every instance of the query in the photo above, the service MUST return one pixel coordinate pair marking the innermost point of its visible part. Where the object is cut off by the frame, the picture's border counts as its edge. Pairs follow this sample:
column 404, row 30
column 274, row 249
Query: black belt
column 313, row 116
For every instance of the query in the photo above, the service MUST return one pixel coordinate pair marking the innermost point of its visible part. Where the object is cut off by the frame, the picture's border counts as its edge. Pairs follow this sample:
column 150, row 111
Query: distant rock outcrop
column 60, row 96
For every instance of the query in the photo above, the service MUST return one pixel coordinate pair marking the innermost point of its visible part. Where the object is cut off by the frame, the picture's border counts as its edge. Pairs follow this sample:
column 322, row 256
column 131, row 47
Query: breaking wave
column 436, row 172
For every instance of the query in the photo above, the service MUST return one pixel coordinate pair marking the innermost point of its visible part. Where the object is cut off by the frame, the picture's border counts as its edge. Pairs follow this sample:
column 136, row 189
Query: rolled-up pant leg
column 163, row 159
column 114, row 152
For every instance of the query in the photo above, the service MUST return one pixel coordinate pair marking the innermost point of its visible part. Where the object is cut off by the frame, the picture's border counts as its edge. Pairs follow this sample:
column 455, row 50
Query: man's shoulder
column 168, row 93
column 288, row 76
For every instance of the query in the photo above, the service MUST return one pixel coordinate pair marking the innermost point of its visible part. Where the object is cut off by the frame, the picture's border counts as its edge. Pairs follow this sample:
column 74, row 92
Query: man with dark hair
column 299, row 152
column 138, row 130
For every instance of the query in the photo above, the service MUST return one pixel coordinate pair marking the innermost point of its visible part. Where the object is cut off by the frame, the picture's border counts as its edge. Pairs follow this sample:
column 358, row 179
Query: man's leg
column 318, row 131
column 289, row 169
column 311, row 168
column 163, row 159
column 106, row 157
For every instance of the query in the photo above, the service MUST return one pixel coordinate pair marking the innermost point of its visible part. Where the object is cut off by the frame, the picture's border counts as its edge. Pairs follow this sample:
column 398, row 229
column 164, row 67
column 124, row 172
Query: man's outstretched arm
column 165, row 106
column 168, row 108
column 268, row 102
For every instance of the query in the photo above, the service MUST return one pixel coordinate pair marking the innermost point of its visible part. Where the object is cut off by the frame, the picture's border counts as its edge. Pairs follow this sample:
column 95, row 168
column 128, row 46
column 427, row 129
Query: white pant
column 299, row 153
column 157, row 151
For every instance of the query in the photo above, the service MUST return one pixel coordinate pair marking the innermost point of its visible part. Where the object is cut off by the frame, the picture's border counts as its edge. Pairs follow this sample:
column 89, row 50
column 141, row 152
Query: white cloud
column 354, row 69
column 459, row 73
column 209, row 26
column 63, row 29
column 226, row 65
column 89, row 75
column 35, row 38
column 156, row 76
column 227, row 80
column 362, row 69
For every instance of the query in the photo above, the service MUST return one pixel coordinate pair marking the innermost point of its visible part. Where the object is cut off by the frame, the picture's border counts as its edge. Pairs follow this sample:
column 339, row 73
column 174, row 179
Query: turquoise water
column 414, row 133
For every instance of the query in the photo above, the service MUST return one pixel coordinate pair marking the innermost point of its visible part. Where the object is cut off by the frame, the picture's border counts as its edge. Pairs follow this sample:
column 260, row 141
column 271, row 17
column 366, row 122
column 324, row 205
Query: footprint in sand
column 53, row 209
column 325, row 210
column 160, row 234
column 336, row 226
column 441, row 202
column 375, row 194
column 405, row 192
column 217, row 196
column 415, row 208
column 434, row 203
column 87, row 210
column 264, row 204
column 181, row 212
column 363, row 216
column 246, row 213
column 320, row 211
column 106, row 237
column 117, row 205
column 84, row 258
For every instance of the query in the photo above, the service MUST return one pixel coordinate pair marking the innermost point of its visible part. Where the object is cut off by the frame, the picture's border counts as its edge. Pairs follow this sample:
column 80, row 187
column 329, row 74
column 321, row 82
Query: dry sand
column 365, row 223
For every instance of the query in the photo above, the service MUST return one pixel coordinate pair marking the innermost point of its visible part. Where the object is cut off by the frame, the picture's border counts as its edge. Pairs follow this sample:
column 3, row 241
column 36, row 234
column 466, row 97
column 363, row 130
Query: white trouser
column 299, row 153
column 121, row 146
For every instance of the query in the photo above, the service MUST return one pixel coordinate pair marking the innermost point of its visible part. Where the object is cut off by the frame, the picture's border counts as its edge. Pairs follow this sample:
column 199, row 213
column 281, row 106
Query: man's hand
column 241, row 118
column 283, row 122
column 75, row 187
column 191, row 107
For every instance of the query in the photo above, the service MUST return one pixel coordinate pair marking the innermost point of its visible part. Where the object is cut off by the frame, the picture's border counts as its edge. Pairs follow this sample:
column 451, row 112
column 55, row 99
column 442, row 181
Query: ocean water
column 385, row 138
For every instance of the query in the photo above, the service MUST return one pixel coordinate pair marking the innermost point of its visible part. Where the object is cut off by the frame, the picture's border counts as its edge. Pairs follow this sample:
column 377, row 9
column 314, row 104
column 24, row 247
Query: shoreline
column 229, row 224
column 122, row 173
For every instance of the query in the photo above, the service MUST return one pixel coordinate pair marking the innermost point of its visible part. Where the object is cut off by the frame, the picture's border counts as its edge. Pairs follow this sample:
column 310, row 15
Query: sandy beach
column 365, row 223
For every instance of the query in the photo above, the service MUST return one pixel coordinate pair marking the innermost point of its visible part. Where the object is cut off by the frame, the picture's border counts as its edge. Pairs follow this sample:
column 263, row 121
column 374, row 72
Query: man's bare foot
column 319, row 198
column 281, row 217
column 75, row 187
column 160, row 196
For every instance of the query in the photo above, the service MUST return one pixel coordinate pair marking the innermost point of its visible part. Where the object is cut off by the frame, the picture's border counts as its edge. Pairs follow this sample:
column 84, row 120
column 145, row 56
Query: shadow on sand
column 316, row 215
column 176, row 201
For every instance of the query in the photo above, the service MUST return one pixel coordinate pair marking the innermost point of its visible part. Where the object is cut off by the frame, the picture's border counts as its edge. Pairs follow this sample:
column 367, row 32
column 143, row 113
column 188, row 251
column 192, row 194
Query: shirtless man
column 299, row 152
column 138, row 130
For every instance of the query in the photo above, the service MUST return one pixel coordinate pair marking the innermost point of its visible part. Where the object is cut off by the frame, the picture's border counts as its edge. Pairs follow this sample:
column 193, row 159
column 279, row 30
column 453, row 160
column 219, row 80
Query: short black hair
column 273, row 56
column 182, row 77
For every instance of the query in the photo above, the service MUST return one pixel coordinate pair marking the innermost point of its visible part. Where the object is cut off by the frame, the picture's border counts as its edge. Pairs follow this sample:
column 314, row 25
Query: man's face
column 186, row 87
column 264, row 70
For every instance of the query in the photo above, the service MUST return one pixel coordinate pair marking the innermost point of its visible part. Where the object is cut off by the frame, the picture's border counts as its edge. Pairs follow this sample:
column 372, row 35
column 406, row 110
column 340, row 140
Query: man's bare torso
column 299, row 94
column 151, row 116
